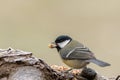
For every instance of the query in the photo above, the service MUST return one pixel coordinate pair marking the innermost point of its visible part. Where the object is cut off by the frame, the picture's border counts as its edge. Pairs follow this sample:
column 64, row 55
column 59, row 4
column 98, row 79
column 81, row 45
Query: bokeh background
column 31, row 25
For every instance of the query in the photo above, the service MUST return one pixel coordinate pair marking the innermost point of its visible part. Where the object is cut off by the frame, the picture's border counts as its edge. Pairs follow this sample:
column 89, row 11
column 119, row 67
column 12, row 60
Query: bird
column 75, row 54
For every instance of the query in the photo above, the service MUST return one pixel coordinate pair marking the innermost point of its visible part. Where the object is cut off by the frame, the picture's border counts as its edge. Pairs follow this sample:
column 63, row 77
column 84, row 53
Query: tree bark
column 21, row 65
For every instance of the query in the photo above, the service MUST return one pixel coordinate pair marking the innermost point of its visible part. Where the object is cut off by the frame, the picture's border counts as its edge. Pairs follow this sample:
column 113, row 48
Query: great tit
column 75, row 54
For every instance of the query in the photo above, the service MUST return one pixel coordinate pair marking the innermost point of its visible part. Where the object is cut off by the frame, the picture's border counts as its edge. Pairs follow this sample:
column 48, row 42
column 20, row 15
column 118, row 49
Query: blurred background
column 30, row 25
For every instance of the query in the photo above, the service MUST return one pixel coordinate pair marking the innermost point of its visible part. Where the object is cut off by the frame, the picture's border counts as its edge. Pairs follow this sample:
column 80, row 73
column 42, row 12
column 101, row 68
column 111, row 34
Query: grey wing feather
column 82, row 53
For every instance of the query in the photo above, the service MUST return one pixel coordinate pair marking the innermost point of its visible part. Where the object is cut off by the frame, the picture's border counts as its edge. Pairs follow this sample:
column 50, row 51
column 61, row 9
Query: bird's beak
column 52, row 45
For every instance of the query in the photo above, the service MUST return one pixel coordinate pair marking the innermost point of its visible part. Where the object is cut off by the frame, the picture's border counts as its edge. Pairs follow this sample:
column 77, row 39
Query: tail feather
column 99, row 62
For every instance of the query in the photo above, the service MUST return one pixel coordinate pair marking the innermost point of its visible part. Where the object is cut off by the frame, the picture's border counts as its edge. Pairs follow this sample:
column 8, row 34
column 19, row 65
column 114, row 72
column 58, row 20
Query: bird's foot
column 68, row 70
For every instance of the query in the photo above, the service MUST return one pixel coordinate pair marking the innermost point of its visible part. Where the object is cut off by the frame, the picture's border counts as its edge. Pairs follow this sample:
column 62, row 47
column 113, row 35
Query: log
column 21, row 65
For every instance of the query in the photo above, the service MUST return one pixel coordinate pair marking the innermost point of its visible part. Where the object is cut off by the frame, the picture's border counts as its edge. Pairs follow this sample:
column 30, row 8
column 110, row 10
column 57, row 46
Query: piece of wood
column 21, row 65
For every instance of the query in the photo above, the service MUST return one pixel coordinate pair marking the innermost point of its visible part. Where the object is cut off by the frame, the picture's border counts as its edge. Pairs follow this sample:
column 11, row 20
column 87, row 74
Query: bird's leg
column 68, row 70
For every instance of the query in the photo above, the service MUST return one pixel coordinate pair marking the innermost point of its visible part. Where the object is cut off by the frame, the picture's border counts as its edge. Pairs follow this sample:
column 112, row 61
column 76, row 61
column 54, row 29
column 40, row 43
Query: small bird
column 75, row 54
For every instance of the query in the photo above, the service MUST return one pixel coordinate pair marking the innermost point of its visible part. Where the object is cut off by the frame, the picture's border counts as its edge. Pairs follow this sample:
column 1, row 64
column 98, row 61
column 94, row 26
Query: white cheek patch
column 63, row 44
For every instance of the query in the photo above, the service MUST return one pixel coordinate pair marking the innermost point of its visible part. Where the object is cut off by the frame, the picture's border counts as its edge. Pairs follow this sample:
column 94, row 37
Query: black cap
column 62, row 38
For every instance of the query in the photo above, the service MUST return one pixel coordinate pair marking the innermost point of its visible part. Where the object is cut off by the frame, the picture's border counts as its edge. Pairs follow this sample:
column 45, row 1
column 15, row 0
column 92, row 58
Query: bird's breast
column 75, row 63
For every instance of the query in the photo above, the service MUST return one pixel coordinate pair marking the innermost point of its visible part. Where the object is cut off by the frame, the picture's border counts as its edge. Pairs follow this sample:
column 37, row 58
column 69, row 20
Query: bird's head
column 60, row 42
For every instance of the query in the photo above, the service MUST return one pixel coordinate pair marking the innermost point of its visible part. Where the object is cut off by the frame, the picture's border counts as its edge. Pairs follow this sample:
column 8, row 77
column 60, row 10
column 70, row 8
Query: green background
column 30, row 25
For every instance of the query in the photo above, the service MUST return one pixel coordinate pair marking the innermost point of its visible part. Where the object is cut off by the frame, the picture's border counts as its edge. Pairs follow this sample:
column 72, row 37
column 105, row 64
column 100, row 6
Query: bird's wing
column 80, row 53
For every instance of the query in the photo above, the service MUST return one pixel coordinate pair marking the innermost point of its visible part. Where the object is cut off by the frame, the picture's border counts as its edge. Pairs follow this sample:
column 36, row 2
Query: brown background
column 31, row 25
